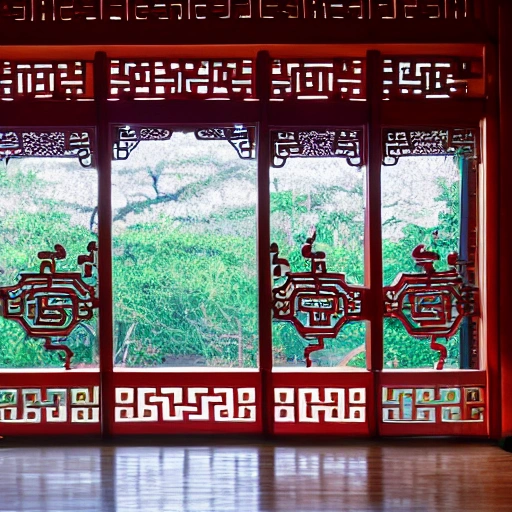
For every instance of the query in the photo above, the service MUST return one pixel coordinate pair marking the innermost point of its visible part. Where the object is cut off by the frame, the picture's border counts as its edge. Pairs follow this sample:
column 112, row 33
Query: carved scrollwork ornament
column 241, row 138
column 49, row 304
column 317, row 143
column 41, row 144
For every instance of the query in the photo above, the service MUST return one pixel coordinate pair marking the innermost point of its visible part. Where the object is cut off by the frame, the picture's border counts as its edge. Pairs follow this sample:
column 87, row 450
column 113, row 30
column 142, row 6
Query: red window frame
column 373, row 115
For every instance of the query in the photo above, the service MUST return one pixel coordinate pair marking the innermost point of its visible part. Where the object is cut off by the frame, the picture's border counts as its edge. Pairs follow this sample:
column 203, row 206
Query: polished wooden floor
column 192, row 475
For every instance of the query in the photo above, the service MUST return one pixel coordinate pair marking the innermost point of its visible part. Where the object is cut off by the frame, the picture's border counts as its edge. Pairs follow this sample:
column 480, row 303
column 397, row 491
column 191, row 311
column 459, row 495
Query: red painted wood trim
column 240, row 32
column 48, row 378
column 430, row 377
column 438, row 113
column 488, row 244
column 46, row 113
column 264, row 279
column 318, row 113
column 373, row 228
column 104, row 157
column 505, row 241
column 201, row 112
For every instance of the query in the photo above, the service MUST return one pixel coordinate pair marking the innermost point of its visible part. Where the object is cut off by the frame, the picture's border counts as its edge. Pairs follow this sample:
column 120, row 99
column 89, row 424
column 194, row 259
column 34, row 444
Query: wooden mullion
column 488, row 268
column 373, row 233
column 104, row 159
column 264, row 278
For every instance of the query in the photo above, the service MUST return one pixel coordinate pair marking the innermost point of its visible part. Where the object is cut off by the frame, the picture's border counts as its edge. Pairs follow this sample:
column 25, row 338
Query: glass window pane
column 45, row 202
column 327, row 195
column 184, row 255
column 421, row 205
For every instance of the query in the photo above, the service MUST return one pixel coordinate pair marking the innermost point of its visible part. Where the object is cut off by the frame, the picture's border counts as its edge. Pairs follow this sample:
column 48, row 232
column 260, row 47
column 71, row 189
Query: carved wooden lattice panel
column 399, row 143
column 336, row 9
column 319, row 405
column 19, row 10
column 67, row 10
column 317, row 143
column 165, row 10
column 50, row 405
column 144, row 10
column 50, row 304
column 65, row 144
column 127, row 138
column 185, row 404
column 52, row 80
column 220, row 9
column 432, row 77
column 314, row 9
column 432, row 304
column 182, row 79
column 424, row 9
column 433, row 404
column 335, row 79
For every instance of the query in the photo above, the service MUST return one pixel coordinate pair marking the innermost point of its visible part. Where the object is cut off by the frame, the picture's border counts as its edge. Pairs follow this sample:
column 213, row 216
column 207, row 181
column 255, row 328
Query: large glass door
column 281, row 261
column 317, row 227
column 49, row 351
column 185, row 279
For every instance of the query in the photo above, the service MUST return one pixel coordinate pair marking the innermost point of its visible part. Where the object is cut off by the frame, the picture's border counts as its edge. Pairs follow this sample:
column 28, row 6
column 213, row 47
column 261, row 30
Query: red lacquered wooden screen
column 328, row 123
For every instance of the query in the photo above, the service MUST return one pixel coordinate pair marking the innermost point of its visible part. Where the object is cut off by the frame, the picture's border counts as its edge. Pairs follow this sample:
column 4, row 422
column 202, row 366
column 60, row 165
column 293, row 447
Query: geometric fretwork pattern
column 319, row 405
column 50, row 405
column 52, row 80
column 181, row 79
column 398, row 143
column 172, row 10
column 19, row 10
column 421, row 9
column 165, row 10
column 317, row 143
column 433, row 404
column 127, row 138
column 178, row 404
column 429, row 77
column 334, row 79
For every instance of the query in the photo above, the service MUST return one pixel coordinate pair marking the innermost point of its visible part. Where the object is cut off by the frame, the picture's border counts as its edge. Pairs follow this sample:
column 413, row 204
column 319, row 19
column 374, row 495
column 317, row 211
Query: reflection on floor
column 245, row 476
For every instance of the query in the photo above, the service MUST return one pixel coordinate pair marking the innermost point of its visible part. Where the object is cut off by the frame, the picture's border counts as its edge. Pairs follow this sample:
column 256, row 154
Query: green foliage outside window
column 170, row 312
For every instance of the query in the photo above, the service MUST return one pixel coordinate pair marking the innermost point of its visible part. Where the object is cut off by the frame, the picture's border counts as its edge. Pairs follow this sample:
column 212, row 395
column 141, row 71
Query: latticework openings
column 317, row 143
column 432, row 77
column 44, row 80
column 328, row 79
column 175, row 10
column 182, row 79
column 399, row 143
column 331, row 79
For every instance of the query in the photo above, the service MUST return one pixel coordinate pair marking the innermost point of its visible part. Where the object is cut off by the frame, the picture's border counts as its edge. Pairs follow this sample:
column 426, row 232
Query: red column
column 264, row 282
column 505, row 220
column 373, row 226
column 104, row 159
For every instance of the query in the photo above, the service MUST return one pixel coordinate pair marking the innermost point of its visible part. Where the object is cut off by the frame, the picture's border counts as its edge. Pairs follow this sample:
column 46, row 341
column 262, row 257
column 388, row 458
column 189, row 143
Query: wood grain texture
column 194, row 475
